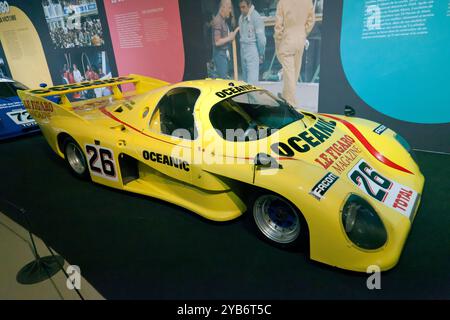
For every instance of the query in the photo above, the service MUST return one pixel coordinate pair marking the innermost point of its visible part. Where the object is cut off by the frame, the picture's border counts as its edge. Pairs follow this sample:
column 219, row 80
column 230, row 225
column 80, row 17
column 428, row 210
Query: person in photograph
column 105, row 91
column 64, row 75
column 252, row 40
column 222, row 38
column 90, row 74
column 294, row 20
column 77, row 74
column 68, row 75
column 96, row 40
column 78, row 78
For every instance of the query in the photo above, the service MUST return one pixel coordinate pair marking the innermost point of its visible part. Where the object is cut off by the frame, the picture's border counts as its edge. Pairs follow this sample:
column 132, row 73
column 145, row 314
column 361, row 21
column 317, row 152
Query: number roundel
column 391, row 193
column 101, row 162
column 21, row 117
column 368, row 177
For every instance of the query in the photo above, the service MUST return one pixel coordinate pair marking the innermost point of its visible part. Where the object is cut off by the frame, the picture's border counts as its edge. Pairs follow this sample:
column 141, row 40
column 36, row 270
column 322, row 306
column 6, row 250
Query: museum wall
column 36, row 50
column 389, row 60
column 355, row 55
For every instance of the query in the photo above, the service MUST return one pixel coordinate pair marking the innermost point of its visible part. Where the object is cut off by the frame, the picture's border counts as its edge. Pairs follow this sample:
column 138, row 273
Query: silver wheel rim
column 75, row 158
column 276, row 219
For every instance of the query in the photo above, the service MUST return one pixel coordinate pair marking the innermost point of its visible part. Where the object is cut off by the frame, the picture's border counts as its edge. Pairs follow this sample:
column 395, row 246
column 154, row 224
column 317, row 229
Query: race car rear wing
column 142, row 84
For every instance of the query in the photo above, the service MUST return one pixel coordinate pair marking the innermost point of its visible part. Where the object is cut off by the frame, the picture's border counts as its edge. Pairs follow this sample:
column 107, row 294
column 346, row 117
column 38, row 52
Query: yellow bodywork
column 214, row 179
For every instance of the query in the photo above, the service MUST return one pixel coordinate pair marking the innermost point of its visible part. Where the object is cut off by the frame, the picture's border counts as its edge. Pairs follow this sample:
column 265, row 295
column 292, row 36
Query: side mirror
column 349, row 111
column 263, row 160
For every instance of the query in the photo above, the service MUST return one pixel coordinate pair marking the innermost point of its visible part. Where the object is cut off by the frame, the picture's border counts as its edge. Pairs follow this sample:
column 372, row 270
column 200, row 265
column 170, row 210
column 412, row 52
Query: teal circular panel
column 396, row 56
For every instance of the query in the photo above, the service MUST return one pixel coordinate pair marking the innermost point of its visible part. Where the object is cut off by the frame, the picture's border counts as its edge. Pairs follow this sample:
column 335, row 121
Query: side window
column 6, row 90
column 225, row 115
column 174, row 114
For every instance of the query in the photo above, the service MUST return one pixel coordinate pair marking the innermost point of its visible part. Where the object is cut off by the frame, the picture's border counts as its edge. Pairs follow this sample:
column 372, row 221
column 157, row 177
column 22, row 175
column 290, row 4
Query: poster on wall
column 77, row 42
column 22, row 47
column 73, row 24
column 87, row 64
column 147, row 37
column 93, row 39
column 56, row 41
column 240, row 41
column 389, row 60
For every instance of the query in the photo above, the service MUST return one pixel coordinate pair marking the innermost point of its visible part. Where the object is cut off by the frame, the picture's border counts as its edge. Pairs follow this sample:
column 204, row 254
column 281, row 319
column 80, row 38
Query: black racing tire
column 75, row 159
column 278, row 222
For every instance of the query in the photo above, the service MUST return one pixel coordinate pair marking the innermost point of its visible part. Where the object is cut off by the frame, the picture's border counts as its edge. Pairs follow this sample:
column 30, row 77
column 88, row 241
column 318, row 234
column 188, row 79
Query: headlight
column 362, row 224
column 406, row 145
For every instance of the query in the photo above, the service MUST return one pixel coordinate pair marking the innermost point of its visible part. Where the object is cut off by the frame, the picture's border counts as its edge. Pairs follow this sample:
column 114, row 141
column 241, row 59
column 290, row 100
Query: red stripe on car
column 369, row 146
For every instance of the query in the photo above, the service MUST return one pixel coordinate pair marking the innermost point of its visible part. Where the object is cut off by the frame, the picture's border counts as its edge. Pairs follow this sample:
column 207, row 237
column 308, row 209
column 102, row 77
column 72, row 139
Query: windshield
column 252, row 115
column 9, row 89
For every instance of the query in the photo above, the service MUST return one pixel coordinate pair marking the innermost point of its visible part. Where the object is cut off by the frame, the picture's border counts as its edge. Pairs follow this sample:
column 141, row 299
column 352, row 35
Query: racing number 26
column 374, row 184
column 106, row 159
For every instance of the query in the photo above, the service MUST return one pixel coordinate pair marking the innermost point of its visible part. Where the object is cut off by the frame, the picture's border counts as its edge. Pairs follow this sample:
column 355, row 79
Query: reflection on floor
column 16, row 252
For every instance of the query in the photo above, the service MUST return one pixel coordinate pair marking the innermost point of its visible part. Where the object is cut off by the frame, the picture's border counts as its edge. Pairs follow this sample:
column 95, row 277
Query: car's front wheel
column 75, row 159
column 278, row 221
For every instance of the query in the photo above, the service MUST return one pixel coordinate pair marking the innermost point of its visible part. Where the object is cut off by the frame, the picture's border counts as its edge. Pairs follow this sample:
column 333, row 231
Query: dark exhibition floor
column 129, row 246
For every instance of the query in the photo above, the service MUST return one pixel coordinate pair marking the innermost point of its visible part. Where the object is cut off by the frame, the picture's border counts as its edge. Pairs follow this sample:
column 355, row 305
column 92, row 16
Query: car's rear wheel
column 75, row 159
column 278, row 221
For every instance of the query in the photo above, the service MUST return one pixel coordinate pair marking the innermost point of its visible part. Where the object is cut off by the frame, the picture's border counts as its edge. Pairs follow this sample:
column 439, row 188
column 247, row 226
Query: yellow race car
column 347, row 187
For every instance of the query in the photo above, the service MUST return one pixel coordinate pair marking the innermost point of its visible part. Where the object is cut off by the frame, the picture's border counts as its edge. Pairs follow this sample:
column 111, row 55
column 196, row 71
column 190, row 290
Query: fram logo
column 319, row 190
column 380, row 129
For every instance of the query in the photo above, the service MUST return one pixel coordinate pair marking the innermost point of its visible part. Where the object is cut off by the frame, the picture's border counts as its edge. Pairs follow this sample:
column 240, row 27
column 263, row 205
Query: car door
column 172, row 133
column 224, row 153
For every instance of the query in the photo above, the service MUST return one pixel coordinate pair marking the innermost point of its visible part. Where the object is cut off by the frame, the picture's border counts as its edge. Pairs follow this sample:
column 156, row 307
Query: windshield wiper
column 304, row 123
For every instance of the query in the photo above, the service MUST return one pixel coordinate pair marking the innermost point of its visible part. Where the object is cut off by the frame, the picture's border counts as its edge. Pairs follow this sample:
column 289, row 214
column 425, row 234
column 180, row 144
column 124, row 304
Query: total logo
column 403, row 199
